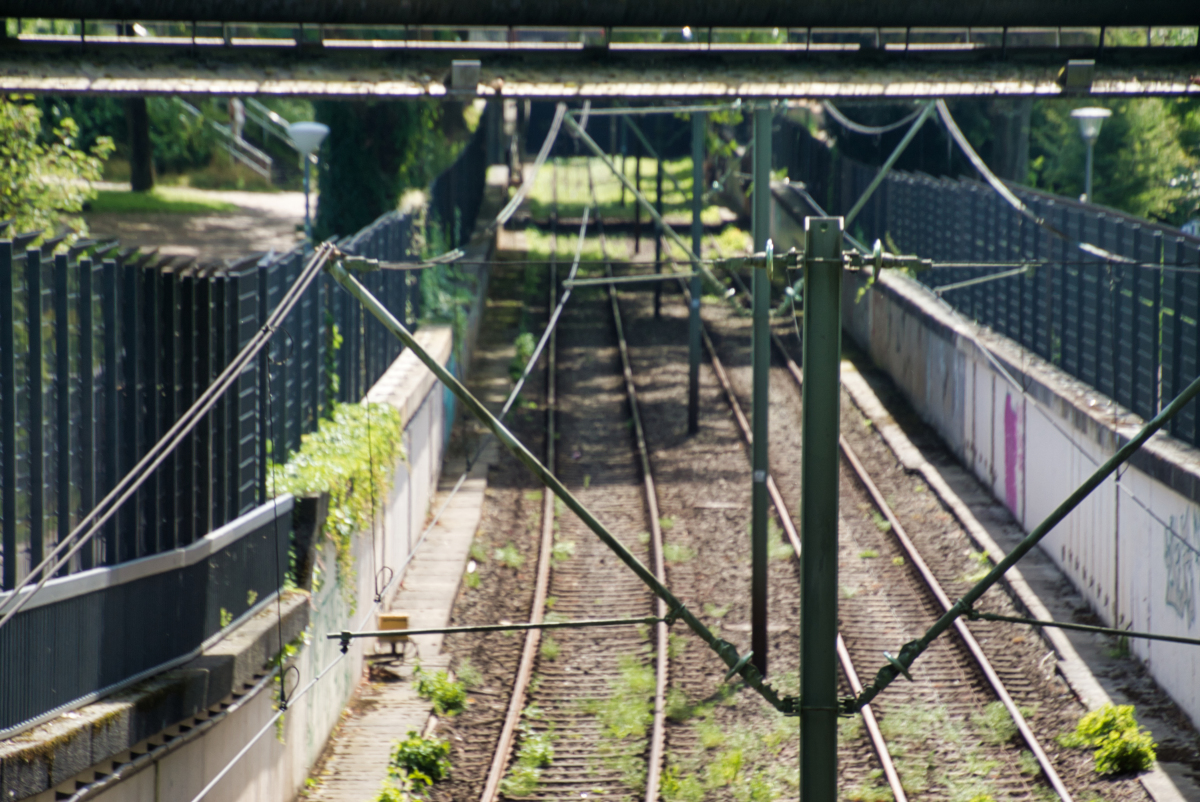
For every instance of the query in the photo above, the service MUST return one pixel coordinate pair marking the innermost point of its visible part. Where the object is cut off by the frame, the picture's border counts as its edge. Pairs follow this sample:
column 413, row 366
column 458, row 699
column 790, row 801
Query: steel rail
column 529, row 650
column 968, row 639
column 874, row 733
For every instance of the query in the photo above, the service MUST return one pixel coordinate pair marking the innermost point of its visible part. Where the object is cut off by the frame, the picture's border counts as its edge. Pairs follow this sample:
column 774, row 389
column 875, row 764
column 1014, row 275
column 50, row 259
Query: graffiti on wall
column 1014, row 456
column 1182, row 536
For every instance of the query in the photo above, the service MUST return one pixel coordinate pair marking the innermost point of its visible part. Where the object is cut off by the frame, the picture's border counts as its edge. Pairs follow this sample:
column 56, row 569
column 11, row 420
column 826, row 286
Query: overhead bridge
column 875, row 63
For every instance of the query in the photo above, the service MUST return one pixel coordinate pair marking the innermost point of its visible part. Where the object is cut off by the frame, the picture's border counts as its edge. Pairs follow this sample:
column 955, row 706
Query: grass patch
column 535, row 753
column 156, row 201
column 995, row 724
column 868, row 554
column 713, row 611
column 509, row 557
column 965, row 773
column 678, row 553
column 562, row 551
column 468, row 674
column 550, row 648
column 471, row 580
column 624, row 716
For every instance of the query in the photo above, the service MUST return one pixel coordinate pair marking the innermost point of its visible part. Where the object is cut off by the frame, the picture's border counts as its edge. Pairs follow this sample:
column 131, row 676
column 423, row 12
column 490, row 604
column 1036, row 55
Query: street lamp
column 1090, row 120
column 307, row 137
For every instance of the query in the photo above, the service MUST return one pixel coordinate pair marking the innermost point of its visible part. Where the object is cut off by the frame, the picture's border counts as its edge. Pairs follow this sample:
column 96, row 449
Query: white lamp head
column 1090, row 120
column 307, row 136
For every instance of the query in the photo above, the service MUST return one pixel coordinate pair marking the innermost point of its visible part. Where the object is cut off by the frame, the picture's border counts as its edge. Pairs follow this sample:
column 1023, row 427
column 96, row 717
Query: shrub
column 1121, row 745
column 420, row 760
column 448, row 696
column 1125, row 751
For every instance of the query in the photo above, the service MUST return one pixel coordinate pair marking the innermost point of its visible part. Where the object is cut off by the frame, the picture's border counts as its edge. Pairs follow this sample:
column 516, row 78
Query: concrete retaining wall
column 1032, row 434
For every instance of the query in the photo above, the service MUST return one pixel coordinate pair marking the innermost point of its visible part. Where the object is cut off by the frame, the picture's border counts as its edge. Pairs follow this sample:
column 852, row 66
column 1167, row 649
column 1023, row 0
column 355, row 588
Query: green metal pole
column 699, row 126
column 761, row 366
column 819, row 508
column 658, row 207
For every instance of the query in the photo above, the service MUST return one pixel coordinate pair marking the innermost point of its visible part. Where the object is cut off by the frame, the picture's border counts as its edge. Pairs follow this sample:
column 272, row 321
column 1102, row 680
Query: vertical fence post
column 112, row 416
column 819, row 507
column 8, row 420
column 87, row 403
column 699, row 125
column 62, row 398
column 130, row 545
column 761, row 358
column 168, row 408
column 37, row 479
column 187, row 396
column 151, row 373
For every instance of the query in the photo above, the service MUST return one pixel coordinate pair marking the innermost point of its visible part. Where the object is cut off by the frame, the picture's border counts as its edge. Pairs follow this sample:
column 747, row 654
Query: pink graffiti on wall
column 1014, row 455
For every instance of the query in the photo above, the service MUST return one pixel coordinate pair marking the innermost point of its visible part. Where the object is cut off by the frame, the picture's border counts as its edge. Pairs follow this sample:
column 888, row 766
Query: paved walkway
column 387, row 706
column 262, row 222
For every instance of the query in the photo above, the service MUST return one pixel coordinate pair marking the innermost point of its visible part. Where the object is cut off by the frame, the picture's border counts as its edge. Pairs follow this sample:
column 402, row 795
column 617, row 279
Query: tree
column 374, row 152
column 1142, row 164
column 43, row 185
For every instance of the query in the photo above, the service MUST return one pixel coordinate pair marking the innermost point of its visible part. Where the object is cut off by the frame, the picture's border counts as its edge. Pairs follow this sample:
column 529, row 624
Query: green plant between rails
column 350, row 457
column 625, row 715
column 534, row 755
column 1121, row 745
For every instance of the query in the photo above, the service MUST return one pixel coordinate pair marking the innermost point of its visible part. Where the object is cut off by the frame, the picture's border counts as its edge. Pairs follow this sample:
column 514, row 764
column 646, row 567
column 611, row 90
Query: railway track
column 890, row 595
column 583, row 692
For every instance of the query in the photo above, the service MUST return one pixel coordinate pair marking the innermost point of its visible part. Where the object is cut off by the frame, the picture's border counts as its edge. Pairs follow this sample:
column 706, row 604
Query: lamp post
column 1090, row 119
column 307, row 137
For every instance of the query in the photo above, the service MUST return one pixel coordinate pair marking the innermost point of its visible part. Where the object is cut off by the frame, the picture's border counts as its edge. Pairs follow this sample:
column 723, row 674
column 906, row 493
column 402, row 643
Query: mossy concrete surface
column 49, row 755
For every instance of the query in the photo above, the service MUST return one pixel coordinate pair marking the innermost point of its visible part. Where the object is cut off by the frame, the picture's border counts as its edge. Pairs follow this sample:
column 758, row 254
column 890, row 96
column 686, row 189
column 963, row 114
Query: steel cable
column 870, row 130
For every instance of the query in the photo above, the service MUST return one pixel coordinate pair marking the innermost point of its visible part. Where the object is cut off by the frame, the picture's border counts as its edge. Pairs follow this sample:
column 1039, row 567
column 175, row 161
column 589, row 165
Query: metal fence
column 1130, row 331
column 98, row 359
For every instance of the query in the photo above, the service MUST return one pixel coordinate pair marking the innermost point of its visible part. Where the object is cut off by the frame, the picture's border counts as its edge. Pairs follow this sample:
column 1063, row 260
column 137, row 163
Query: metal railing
column 100, row 353
column 1130, row 330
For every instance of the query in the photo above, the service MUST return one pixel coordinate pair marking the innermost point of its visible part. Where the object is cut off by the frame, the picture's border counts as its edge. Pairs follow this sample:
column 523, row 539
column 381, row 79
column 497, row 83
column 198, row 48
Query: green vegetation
column 1147, row 160
column 45, row 172
column 960, row 765
column 449, row 697
column 678, row 553
column 995, row 724
column 416, row 763
column 535, row 753
column 740, row 762
column 1120, row 744
column 509, row 556
column 550, row 648
column 471, row 580
column 355, row 470
column 156, row 201
column 562, row 551
column 523, row 345
column 624, row 715
column 868, row 554
column 468, row 674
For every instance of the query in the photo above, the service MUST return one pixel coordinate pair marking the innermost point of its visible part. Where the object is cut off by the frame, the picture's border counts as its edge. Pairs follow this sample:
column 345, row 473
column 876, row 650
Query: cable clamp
column 673, row 616
column 896, row 664
column 345, row 636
